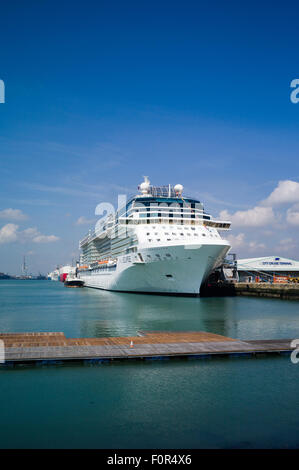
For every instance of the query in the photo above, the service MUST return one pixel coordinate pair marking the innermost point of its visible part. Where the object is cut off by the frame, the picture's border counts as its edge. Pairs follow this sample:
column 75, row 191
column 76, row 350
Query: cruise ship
column 159, row 242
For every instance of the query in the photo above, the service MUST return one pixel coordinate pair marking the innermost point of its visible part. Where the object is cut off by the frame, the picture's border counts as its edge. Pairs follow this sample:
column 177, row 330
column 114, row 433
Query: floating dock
column 55, row 348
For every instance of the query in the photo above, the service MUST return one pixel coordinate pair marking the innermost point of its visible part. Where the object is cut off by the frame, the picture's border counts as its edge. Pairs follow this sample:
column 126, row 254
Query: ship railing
column 220, row 225
column 91, row 236
column 166, row 210
column 161, row 192
column 85, row 239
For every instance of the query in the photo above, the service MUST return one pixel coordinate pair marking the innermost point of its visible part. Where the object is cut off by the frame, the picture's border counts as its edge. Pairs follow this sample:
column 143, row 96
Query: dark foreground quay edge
column 255, row 289
column 56, row 348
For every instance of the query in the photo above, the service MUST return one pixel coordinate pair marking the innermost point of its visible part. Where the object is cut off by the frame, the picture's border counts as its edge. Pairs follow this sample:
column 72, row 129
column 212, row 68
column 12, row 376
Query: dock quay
column 255, row 289
column 55, row 348
column 265, row 289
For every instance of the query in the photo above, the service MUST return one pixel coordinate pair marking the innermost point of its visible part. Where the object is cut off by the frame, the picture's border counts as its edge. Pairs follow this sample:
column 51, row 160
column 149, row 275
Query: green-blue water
column 221, row 403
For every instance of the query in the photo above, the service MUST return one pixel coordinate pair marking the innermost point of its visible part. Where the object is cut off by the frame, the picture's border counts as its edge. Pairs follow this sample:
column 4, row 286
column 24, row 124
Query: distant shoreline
column 6, row 277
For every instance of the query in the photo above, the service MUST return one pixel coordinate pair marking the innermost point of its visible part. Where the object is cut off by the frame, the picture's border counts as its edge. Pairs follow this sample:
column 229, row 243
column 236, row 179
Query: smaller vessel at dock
column 72, row 281
column 54, row 275
column 64, row 271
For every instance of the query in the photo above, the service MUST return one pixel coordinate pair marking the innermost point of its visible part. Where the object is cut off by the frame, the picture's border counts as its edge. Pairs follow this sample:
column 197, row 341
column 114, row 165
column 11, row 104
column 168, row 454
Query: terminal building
column 269, row 268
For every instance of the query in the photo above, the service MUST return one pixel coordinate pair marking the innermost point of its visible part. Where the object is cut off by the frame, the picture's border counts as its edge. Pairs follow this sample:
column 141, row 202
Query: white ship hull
column 174, row 269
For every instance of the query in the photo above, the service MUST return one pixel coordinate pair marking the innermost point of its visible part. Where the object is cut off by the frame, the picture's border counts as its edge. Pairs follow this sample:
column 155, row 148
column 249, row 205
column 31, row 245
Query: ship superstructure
column 158, row 242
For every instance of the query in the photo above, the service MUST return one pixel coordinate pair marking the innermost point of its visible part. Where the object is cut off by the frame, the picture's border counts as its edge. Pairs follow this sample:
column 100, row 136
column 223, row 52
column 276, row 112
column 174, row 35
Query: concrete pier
column 264, row 289
column 256, row 289
column 47, row 348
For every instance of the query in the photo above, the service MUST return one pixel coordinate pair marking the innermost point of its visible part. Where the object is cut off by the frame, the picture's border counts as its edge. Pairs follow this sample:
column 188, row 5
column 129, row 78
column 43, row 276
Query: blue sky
column 99, row 94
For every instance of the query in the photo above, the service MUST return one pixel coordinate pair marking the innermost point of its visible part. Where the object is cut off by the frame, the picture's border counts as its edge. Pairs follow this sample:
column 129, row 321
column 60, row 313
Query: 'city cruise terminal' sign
column 277, row 262
column 280, row 263
column 268, row 263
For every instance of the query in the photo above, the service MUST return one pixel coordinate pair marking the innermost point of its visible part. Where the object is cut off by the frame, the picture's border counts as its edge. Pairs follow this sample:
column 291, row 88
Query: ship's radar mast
column 144, row 187
column 178, row 189
column 160, row 191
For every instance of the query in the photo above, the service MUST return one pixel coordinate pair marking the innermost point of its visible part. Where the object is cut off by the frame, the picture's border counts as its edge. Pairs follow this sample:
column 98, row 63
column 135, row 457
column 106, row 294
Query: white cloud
column 29, row 233
column 32, row 234
column 84, row 221
column 269, row 222
column 286, row 192
column 287, row 244
column 253, row 246
column 292, row 215
column 256, row 217
column 13, row 214
column 45, row 239
column 237, row 241
column 267, row 233
column 8, row 233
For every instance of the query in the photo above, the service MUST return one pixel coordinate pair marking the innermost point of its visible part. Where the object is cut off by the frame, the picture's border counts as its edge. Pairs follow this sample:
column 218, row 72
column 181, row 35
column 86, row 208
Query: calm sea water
column 217, row 403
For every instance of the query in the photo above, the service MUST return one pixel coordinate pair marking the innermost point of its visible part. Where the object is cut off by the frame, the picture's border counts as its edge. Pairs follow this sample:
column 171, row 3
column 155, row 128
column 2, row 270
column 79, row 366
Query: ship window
column 196, row 234
column 150, row 240
column 158, row 239
column 158, row 256
column 168, row 239
column 166, row 233
column 181, row 234
column 203, row 234
column 168, row 275
column 168, row 255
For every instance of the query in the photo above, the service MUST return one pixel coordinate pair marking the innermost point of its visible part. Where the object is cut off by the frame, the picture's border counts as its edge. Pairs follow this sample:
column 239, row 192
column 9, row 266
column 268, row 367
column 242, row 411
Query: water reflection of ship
column 122, row 314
